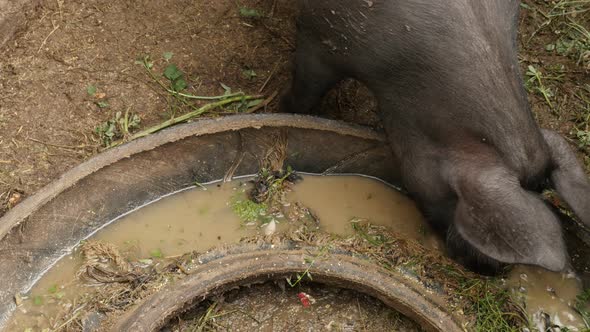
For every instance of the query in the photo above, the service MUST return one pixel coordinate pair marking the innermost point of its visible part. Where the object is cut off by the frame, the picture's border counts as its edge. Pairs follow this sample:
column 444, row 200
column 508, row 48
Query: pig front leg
column 568, row 178
column 500, row 219
column 312, row 78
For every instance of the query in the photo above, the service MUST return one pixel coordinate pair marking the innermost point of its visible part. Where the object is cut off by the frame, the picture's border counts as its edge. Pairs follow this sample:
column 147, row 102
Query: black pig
column 451, row 98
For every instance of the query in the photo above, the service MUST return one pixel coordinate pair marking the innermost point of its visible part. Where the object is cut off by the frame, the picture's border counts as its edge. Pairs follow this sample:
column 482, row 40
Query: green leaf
column 249, row 74
column 52, row 289
column 172, row 72
column 254, row 102
column 532, row 70
column 247, row 210
column 102, row 104
column 91, row 89
column 249, row 12
column 37, row 300
column 564, row 46
column 146, row 61
column 179, row 85
column 167, row 55
column 60, row 295
column 134, row 122
column 156, row 253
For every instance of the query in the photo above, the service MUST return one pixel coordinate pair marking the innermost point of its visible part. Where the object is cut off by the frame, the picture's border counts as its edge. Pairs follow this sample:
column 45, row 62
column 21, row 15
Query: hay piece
column 103, row 264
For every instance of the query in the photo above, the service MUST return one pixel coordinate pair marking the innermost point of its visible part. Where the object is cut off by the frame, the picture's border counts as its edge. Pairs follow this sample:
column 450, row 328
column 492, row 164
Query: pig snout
column 452, row 103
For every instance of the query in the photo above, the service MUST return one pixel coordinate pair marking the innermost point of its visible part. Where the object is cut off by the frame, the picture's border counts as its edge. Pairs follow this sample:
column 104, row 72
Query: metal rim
column 248, row 265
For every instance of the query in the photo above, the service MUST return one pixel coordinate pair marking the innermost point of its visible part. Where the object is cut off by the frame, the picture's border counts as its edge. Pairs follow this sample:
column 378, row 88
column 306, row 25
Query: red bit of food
column 304, row 298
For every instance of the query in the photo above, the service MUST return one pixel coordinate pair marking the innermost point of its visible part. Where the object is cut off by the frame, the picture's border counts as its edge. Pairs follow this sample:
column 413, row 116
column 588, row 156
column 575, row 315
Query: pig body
column 451, row 99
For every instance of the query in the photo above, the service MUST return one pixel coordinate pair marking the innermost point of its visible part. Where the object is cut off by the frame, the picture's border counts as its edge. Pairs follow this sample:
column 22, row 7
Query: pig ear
column 503, row 221
column 568, row 178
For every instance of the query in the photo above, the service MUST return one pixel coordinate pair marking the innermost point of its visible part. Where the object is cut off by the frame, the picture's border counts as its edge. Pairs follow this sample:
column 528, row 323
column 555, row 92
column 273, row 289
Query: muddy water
column 201, row 218
column 549, row 292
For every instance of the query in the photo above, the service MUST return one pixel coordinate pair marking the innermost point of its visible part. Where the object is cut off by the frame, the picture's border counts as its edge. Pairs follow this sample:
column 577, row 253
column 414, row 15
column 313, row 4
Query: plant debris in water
column 247, row 210
column 266, row 201
column 111, row 284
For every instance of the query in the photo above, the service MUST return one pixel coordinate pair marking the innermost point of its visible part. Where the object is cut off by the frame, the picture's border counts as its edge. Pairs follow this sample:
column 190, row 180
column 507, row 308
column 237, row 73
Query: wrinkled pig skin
column 452, row 102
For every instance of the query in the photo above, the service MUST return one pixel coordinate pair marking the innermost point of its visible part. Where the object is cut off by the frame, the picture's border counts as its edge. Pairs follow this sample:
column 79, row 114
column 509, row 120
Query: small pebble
column 270, row 228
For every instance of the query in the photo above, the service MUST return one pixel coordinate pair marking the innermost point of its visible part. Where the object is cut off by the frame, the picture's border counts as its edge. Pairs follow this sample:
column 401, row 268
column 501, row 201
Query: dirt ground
column 74, row 66
column 47, row 115
column 333, row 309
